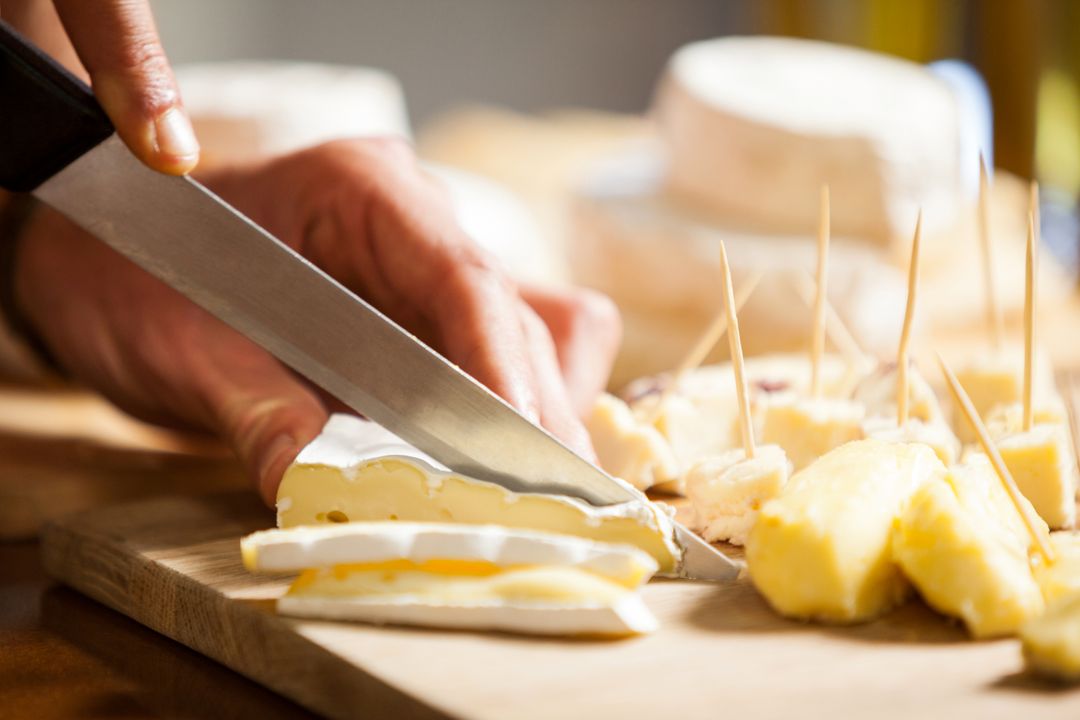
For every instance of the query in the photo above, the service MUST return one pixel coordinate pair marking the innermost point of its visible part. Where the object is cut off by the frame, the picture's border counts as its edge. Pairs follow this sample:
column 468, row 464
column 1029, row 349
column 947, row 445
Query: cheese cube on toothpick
column 938, row 436
column 726, row 492
column 807, row 428
column 627, row 448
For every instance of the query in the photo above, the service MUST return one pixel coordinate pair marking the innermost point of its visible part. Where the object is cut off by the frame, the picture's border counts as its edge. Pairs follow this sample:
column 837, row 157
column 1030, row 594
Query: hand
column 368, row 214
column 118, row 44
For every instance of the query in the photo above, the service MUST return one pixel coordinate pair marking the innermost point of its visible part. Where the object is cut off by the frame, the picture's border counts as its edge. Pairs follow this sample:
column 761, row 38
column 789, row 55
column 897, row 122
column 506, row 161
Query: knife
column 56, row 142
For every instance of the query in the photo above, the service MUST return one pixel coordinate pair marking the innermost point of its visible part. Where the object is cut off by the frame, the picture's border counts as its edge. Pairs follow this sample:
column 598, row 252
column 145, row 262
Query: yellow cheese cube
column 807, row 428
column 1044, row 467
column 823, row 548
column 998, row 380
column 726, row 492
column 1061, row 577
column 1009, row 417
column 936, row 435
column 627, row 448
column 963, row 545
column 877, row 392
column 1052, row 642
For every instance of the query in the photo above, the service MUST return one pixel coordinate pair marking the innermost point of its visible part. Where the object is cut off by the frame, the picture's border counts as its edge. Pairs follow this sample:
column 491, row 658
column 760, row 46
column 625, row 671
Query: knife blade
column 179, row 231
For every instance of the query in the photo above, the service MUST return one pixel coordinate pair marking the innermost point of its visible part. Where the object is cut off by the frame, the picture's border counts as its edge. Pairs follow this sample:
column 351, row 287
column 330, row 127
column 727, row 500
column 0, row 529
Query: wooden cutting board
column 174, row 564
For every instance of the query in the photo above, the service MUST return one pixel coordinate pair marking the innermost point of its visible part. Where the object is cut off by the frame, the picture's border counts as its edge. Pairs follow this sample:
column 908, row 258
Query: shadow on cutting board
column 174, row 680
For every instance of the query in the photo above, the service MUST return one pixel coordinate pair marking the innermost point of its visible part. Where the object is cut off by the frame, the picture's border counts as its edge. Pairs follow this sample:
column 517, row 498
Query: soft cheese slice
column 356, row 470
column 936, row 435
column 1051, row 642
column 727, row 491
column 1060, row 578
column 877, row 392
column 965, row 548
column 823, row 548
column 628, row 448
column 1044, row 467
column 443, row 544
column 807, row 428
column 752, row 129
column 537, row 601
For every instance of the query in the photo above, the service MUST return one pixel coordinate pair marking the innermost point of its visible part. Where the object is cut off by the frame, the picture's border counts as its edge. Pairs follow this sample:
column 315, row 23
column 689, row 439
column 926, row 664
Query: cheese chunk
column 1008, row 418
column 627, row 448
column 998, row 380
column 963, row 545
column 936, row 435
column 807, row 428
column 727, row 492
column 1051, row 642
column 481, row 546
column 1060, row 578
column 356, row 470
column 877, row 392
column 751, row 130
column 823, row 548
column 1044, row 467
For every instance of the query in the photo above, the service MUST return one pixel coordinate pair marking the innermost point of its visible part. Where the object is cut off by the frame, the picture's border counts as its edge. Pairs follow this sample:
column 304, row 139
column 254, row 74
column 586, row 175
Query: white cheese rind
column 727, row 492
column 626, row 617
column 752, row 130
column 371, row 542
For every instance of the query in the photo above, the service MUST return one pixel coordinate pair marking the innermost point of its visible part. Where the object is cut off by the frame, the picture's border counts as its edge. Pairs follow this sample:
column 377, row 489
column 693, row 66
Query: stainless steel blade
column 179, row 231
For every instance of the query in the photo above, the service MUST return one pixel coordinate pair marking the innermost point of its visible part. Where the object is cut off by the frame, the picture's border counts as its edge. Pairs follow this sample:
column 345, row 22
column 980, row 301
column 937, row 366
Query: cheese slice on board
column 822, row 550
column 963, row 545
column 1051, row 643
column 628, row 448
column 752, row 129
column 727, row 491
column 301, row 548
column 355, row 470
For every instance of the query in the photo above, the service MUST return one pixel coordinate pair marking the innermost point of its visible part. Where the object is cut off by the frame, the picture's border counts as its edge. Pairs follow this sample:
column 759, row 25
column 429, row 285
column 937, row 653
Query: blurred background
column 550, row 124
column 608, row 54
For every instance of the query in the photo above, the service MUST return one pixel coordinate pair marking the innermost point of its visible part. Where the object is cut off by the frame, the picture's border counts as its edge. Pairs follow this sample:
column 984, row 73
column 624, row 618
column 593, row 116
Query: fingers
column 117, row 42
column 586, row 329
column 262, row 409
column 556, row 412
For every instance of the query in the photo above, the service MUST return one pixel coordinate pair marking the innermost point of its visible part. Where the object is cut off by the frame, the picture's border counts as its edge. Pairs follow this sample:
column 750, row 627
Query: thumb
column 118, row 43
column 266, row 413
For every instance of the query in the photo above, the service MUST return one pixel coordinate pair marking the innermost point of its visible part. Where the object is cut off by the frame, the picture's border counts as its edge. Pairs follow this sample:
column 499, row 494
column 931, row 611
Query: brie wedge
column 356, row 470
column 822, row 549
column 459, row 576
column 727, row 492
column 963, row 545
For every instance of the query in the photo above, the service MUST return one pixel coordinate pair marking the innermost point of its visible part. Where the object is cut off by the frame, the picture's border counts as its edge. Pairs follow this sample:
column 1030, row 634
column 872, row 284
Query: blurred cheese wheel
column 660, row 263
column 247, row 110
column 754, row 126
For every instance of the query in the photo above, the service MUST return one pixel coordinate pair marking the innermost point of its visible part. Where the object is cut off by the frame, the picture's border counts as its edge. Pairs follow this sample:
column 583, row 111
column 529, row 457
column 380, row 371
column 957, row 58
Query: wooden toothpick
column 735, row 343
column 704, row 345
column 1029, row 321
column 838, row 333
column 964, row 403
column 902, row 356
column 994, row 323
column 817, row 343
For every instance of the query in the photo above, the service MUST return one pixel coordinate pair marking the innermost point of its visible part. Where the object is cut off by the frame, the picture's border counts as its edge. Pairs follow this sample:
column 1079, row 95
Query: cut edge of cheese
column 324, row 485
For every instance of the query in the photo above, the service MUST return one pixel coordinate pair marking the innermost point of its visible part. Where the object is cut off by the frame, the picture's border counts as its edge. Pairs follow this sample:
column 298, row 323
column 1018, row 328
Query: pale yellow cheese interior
column 807, row 428
column 627, row 448
column 393, row 488
column 726, row 492
column 823, row 548
column 456, row 582
column 1043, row 465
column 962, row 544
column 1060, row 578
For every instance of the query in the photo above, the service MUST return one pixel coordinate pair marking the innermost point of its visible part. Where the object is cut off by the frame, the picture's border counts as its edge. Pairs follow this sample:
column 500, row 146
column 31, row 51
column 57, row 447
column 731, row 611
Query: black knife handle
column 48, row 117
